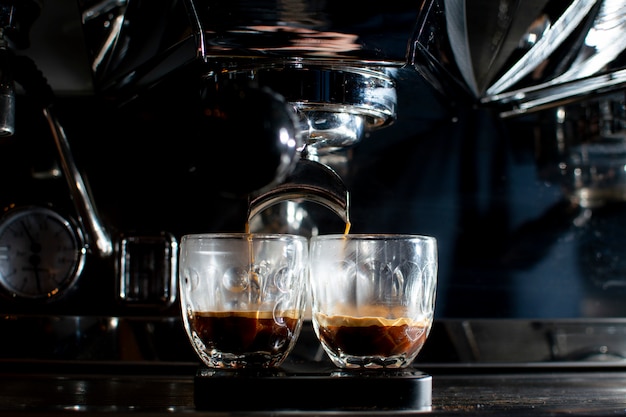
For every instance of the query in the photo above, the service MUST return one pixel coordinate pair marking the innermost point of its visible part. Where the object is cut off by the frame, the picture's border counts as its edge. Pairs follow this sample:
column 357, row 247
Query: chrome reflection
column 523, row 56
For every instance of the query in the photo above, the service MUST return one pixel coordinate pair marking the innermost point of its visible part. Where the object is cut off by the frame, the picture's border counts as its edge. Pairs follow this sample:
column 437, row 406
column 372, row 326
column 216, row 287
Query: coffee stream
column 255, row 284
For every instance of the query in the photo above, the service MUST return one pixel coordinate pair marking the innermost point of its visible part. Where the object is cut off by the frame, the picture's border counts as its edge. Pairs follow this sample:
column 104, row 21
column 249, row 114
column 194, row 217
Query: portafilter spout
column 309, row 181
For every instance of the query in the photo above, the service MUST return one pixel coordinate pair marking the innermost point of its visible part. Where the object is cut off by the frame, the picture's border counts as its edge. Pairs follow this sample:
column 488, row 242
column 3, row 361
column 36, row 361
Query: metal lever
column 80, row 193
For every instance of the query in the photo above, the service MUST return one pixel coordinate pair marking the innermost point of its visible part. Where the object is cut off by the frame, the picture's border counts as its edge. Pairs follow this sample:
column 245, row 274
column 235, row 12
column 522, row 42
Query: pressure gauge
column 41, row 253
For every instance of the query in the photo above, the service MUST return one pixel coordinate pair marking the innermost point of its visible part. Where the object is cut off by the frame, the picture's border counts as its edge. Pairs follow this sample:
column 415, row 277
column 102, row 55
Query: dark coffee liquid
column 241, row 332
column 370, row 336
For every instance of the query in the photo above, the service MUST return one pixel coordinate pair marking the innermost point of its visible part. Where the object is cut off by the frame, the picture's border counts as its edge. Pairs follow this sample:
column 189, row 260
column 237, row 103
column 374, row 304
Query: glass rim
column 373, row 236
column 241, row 236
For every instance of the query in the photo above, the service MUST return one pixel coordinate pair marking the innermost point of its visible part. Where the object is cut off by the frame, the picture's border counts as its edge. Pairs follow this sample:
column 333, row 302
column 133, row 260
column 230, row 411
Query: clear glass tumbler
column 243, row 297
column 373, row 297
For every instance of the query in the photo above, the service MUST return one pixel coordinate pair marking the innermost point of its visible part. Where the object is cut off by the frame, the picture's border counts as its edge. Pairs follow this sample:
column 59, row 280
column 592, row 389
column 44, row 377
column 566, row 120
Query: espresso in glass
column 386, row 341
column 372, row 297
column 246, row 338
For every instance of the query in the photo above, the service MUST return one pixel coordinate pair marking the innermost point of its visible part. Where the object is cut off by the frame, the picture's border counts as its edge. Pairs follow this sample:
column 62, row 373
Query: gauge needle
column 35, row 246
column 34, row 259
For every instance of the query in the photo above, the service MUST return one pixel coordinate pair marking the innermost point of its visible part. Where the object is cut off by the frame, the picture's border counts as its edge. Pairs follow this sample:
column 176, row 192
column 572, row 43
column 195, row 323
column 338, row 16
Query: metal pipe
column 88, row 217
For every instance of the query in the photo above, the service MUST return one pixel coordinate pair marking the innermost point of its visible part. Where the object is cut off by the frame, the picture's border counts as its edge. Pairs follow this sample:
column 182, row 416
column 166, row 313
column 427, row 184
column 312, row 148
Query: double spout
column 310, row 181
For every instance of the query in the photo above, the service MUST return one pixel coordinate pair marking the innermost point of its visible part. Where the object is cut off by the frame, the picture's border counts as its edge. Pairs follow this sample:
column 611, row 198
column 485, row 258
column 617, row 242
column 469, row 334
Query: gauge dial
column 41, row 253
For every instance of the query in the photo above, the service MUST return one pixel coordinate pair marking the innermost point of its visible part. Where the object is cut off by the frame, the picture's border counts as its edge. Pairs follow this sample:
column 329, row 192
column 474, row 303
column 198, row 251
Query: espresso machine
column 127, row 124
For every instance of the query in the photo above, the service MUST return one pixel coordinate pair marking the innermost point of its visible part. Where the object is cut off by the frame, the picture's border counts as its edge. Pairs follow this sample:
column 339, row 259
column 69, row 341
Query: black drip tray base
column 306, row 389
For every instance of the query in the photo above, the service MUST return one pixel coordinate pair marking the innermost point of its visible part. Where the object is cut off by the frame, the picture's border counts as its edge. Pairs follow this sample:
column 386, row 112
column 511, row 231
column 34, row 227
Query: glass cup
column 373, row 297
column 243, row 297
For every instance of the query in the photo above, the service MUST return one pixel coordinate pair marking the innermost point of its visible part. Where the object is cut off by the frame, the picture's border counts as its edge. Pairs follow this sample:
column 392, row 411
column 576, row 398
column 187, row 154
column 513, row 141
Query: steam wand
column 33, row 81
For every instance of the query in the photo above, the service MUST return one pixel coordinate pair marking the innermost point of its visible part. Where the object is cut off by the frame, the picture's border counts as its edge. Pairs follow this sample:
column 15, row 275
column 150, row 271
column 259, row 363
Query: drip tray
column 305, row 389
